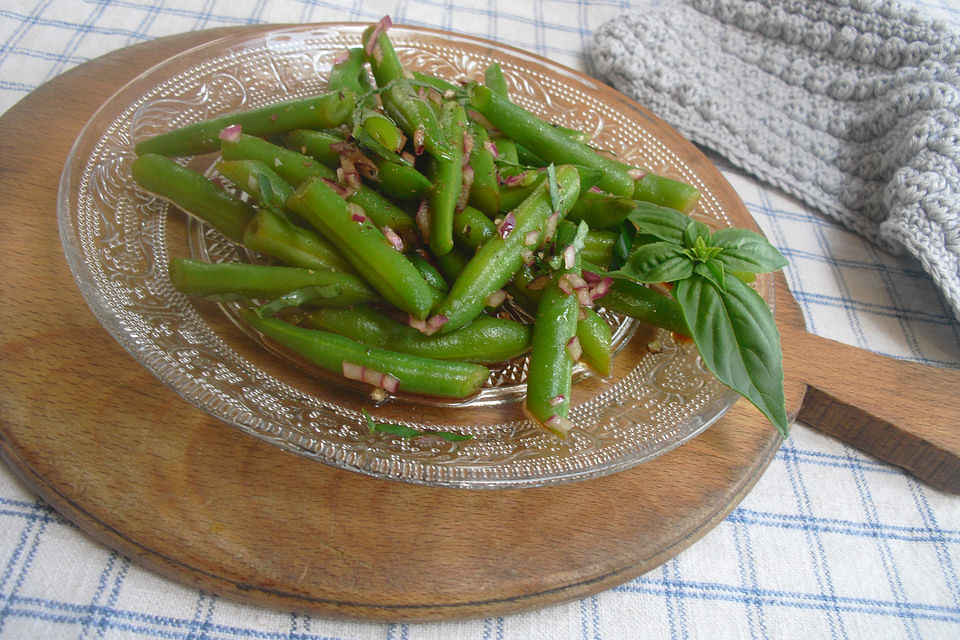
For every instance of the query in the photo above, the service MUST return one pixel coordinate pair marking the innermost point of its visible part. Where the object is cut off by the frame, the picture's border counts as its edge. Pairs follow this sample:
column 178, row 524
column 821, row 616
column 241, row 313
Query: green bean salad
column 400, row 211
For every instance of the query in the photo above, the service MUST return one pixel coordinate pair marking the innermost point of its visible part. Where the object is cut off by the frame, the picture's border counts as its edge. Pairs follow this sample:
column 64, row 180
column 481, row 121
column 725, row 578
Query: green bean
column 486, row 340
column 642, row 303
column 551, row 365
column 271, row 232
column 319, row 112
column 434, row 82
column 347, row 74
column 296, row 168
column 414, row 374
column 452, row 264
column 573, row 134
column 543, row 140
column 506, row 150
column 433, row 277
column 249, row 176
column 259, row 281
column 595, row 337
column 484, row 192
column 500, row 256
column 365, row 246
column 446, row 174
column 493, row 78
column 471, row 228
column 512, row 196
column 666, row 192
column 601, row 210
column 394, row 179
column 414, row 115
column 193, row 193
column 383, row 130
column 598, row 244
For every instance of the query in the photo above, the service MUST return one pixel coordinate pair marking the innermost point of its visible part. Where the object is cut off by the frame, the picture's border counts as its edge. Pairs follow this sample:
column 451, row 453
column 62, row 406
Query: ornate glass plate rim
column 115, row 241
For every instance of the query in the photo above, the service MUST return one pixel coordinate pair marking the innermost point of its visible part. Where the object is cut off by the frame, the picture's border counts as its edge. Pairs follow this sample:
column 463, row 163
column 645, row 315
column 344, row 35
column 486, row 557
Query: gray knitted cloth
column 849, row 105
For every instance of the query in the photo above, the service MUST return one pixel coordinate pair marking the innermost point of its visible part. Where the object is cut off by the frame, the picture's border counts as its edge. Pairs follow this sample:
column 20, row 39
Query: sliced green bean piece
column 429, row 272
column 595, row 337
column 414, row 374
column 434, row 82
column 347, row 74
column 319, row 112
column 486, row 340
column 551, row 366
column 471, row 228
column 394, row 179
column 260, row 281
column 193, row 193
column 251, row 175
column 446, row 174
column 506, row 150
column 365, row 246
column 642, row 303
column 484, row 192
column 270, row 232
column 493, row 78
column 296, row 168
column 601, row 210
column 545, row 141
column 414, row 115
column 666, row 192
column 502, row 255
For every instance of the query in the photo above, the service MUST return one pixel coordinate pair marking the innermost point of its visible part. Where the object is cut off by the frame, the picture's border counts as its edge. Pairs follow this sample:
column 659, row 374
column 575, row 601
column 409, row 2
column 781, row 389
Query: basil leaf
column 658, row 262
column 738, row 341
column 298, row 297
column 450, row 436
column 395, row 429
column 662, row 222
column 696, row 231
column 712, row 270
column 745, row 250
column 622, row 246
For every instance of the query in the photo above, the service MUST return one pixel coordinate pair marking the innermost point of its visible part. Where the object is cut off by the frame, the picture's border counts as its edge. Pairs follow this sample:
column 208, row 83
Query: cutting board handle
column 905, row 413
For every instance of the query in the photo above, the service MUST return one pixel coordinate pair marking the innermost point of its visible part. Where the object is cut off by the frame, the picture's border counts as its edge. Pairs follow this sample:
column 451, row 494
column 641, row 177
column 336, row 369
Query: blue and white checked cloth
column 830, row 543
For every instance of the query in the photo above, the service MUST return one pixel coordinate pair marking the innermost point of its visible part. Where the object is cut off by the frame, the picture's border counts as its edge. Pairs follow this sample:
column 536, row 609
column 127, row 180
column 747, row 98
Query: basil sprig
column 731, row 324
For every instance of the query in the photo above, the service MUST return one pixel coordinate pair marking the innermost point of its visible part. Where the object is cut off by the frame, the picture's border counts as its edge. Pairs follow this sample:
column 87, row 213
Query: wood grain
column 101, row 440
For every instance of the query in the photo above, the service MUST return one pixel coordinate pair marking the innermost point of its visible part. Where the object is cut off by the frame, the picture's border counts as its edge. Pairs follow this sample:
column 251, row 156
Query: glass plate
column 118, row 239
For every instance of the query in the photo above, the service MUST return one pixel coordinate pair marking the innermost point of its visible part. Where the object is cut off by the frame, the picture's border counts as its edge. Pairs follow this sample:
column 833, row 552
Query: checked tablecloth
column 829, row 544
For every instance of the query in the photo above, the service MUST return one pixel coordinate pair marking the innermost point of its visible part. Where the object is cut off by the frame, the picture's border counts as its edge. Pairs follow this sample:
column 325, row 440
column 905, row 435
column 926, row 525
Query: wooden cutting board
column 139, row 469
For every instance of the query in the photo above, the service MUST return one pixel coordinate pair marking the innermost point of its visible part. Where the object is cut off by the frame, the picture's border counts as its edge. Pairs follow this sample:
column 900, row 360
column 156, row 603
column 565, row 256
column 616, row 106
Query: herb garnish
column 730, row 323
column 410, row 432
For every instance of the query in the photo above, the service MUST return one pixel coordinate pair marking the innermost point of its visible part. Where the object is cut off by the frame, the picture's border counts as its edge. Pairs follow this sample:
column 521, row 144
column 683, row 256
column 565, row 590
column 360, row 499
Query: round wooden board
column 139, row 469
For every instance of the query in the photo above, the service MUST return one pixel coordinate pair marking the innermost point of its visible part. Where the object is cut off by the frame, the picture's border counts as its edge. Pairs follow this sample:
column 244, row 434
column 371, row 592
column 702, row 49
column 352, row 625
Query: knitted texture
column 851, row 106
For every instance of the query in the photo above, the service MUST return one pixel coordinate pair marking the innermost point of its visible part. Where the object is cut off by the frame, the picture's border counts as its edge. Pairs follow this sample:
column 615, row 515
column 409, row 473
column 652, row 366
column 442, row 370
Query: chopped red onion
column 590, row 277
column 558, row 424
column 595, row 189
column 505, row 227
column 231, row 133
column 581, row 313
column 550, row 226
column 341, row 190
column 528, row 257
column 584, row 297
column 564, row 284
column 276, row 162
column 378, row 379
column 491, row 146
column 449, row 94
column 342, row 147
column 352, row 371
column 531, row 238
column 569, row 256
column 601, row 288
column 576, row 281
column 423, row 219
column 393, row 238
column 409, row 157
column 437, row 321
column 418, row 324
column 465, row 188
column 480, row 119
column 495, row 299
column 467, row 147
column 512, row 181
column 555, row 400
column 636, row 174
column 574, row 348
column 350, row 172
column 342, row 57
column 418, row 136
column 538, row 283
